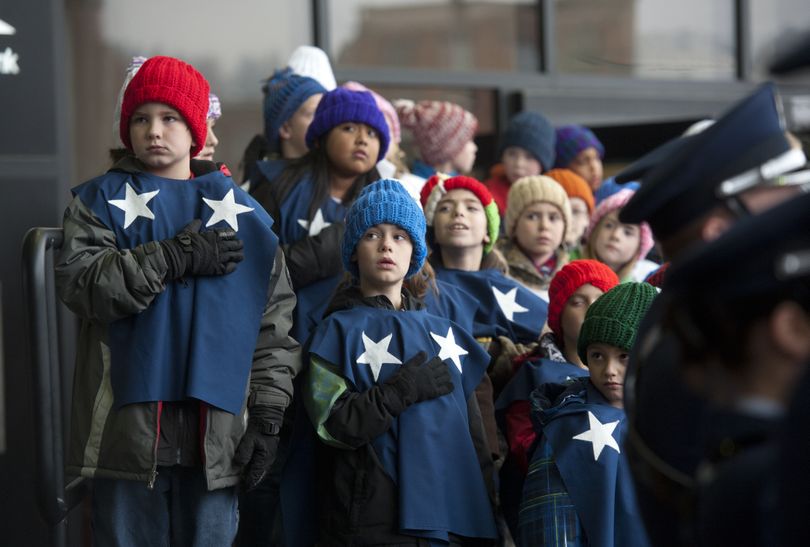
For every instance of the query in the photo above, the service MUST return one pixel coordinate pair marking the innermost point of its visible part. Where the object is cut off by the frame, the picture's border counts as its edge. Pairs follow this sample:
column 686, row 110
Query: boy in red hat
column 184, row 366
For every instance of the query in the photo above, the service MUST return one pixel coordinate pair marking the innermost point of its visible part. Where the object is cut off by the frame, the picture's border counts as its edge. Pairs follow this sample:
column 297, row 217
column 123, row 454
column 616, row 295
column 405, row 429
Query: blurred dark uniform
column 714, row 294
column 681, row 182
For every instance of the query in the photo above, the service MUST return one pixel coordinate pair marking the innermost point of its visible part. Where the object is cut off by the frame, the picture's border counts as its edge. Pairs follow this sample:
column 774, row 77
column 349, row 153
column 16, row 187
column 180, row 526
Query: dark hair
column 422, row 281
column 257, row 149
column 316, row 164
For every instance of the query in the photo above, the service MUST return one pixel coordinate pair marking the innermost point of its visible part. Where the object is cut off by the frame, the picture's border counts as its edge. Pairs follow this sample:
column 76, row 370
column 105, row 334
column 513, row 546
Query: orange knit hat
column 574, row 185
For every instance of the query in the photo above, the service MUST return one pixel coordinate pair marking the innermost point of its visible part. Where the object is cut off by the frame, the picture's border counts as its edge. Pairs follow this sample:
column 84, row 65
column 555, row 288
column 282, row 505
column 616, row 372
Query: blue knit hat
column 534, row 133
column 573, row 139
column 284, row 93
column 385, row 202
column 344, row 106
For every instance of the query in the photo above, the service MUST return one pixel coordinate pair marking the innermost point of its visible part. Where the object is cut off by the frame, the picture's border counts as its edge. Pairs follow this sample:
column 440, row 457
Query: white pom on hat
column 312, row 62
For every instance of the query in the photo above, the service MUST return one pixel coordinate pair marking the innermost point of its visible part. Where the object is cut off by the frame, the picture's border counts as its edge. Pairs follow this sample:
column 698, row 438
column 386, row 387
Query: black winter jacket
column 311, row 258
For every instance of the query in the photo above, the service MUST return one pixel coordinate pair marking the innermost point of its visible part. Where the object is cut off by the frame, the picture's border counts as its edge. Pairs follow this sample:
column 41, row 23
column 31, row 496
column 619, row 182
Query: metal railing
column 54, row 498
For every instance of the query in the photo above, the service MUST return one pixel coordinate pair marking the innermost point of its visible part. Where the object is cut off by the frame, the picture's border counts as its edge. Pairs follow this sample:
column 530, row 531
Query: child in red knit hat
column 185, row 366
column 573, row 289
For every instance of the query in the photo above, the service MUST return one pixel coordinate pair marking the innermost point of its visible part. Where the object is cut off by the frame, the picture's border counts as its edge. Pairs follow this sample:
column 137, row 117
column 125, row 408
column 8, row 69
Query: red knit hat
column 570, row 278
column 438, row 185
column 574, row 185
column 172, row 82
column 440, row 129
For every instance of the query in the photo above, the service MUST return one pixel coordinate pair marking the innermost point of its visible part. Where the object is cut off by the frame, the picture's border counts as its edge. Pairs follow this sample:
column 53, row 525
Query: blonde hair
column 588, row 251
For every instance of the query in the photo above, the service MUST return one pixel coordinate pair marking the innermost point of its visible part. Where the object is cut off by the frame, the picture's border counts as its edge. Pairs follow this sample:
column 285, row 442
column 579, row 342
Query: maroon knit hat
column 570, row 278
column 440, row 129
column 169, row 81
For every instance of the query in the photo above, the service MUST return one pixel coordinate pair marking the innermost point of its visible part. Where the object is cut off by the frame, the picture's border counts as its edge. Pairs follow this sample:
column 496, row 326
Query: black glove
column 212, row 252
column 257, row 449
column 417, row 380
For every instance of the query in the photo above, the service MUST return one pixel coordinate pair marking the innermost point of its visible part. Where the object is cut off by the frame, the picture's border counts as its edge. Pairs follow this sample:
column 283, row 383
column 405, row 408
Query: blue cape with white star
column 505, row 307
column 295, row 224
column 452, row 303
column 532, row 374
column 428, row 451
column 600, row 486
column 197, row 338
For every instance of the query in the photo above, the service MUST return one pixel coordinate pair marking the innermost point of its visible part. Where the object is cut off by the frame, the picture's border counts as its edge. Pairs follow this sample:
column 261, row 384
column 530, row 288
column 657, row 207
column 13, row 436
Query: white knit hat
column 312, row 62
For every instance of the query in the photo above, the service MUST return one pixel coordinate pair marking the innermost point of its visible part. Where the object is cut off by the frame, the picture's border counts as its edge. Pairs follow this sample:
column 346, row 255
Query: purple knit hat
column 385, row 107
column 573, row 139
column 342, row 106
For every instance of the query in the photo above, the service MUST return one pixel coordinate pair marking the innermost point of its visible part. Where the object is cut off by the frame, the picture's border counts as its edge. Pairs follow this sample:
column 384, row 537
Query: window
column 658, row 39
column 776, row 24
column 235, row 46
column 438, row 34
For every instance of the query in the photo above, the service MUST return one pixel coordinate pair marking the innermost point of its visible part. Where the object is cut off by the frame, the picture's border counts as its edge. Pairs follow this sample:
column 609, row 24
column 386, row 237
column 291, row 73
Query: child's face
column 608, row 365
column 460, row 221
column 579, row 220
column 464, row 160
column 352, row 148
column 539, row 230
column 294, row 130
column 161, row 140
column 519, row 163
column 383, row 256
column 573, row 313
column 211, row 142
column 588, row 165
column 615, row 243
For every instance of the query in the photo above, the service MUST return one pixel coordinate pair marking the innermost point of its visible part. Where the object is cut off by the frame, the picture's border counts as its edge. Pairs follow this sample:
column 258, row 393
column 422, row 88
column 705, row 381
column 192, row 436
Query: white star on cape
column 448, row 347
column 314, row 228
column 599, row 435
column 134, row 205
column 376, row 354
column 506, row 301
column 226, row 209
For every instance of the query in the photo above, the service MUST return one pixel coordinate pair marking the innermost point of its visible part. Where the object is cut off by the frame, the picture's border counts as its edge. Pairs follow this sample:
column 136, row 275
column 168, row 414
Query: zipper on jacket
column 154, row 473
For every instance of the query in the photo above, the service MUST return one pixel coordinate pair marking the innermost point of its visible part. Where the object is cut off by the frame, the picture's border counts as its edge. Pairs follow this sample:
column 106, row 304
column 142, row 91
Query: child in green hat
column 579, row 486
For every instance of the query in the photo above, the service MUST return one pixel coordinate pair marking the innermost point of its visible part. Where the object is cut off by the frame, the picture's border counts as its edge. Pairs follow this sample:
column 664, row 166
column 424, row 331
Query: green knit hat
column 615, row 316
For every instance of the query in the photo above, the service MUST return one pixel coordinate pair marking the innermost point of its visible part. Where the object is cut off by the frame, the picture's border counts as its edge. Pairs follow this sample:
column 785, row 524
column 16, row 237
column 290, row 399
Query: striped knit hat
column 438, row 185
column 440, row 129
column 214, row 107
column 615, row 316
